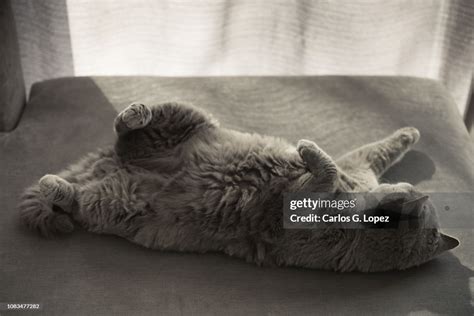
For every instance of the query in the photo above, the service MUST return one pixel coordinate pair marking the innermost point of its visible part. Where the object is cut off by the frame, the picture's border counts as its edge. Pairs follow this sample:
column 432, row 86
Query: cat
column 176, row 180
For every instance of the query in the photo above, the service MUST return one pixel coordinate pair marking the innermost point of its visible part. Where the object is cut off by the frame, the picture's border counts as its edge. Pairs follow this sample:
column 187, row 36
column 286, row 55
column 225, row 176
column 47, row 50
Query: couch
column 86, row 274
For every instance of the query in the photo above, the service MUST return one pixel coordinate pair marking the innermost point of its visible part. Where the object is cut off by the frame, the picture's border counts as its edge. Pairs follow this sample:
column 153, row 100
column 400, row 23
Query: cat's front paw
column 303, row 146
column 408, row 135
column 135, row 116
column 57, row 190
column 314, row 157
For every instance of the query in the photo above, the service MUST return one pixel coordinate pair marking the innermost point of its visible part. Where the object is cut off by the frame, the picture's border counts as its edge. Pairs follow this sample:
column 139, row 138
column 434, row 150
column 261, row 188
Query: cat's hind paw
column 57, row 190
column 133, row 117
column 39, row 208
column 408, row 136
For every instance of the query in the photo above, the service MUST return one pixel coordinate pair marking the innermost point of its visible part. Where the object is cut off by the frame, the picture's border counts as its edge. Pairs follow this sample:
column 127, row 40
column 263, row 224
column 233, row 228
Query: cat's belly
column 202, row 207
column 210, row 212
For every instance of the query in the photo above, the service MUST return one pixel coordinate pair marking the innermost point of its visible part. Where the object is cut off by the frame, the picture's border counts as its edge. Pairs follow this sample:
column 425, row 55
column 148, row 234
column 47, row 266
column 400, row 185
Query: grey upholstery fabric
column 85, row 274
column 12, row 87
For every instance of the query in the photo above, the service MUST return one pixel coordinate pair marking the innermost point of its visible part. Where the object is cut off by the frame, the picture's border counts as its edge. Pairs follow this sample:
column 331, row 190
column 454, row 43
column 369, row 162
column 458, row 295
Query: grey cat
column 175, row 180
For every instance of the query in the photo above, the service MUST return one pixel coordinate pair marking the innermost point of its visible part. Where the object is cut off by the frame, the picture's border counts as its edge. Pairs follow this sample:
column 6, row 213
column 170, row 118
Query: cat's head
column 416, row 240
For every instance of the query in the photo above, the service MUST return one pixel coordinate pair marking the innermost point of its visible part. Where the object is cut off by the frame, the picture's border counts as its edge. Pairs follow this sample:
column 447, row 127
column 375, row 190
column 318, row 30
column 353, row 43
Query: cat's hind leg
column 168, row 120
column 377, row 157
column 135, row 116
column 149, row 136
column 48, row 206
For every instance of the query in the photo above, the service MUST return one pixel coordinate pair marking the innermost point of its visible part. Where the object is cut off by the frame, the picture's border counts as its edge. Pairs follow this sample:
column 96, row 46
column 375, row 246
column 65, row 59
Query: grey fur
column 177, row 181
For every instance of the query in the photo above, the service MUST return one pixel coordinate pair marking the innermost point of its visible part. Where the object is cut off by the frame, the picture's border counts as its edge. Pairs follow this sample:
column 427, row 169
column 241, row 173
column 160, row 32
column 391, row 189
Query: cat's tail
column 38, row 213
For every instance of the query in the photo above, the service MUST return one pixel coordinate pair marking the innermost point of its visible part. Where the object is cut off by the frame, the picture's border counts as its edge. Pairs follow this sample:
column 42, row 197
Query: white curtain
column 424, row 38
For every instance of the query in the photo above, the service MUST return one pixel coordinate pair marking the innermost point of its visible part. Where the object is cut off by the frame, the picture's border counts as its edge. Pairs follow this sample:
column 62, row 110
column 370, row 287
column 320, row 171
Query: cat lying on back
column 177, row 181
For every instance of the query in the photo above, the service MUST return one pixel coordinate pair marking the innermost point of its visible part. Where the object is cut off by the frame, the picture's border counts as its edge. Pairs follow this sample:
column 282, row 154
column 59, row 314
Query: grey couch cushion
column 88, row 274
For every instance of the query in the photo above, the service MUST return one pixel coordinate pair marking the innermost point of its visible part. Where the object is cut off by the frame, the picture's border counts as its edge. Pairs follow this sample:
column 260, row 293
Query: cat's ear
column 446, row 243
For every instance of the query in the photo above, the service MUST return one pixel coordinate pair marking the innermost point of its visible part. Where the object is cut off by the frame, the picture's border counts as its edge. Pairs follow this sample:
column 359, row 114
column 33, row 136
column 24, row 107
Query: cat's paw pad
column 408, row 135
column 136, row 116
column 56, row 190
